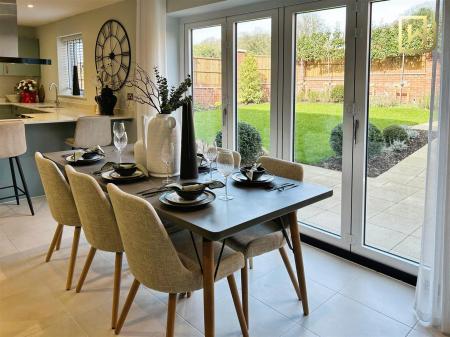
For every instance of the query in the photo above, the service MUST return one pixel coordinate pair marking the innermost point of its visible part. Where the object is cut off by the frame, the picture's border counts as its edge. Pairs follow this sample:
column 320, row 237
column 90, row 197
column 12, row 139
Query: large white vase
column 162, row 128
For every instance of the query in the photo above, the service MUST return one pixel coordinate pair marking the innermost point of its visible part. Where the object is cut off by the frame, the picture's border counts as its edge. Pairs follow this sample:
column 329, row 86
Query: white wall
column 88, row 24
column 178, row 5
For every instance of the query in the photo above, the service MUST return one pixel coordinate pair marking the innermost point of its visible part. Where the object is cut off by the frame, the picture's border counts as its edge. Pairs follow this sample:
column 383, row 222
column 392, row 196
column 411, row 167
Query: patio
column 395, row 205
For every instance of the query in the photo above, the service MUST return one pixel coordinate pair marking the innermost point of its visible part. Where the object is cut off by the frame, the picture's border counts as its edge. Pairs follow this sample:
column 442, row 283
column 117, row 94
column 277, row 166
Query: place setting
column 87, row 156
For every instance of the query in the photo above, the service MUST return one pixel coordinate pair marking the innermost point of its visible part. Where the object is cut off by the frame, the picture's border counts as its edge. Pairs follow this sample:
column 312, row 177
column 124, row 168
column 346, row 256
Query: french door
column 340, row 86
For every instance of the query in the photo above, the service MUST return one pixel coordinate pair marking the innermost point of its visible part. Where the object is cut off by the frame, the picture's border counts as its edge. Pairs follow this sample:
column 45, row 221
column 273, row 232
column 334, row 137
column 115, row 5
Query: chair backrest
column 282, row 168
column 95, row 211
column 152, row 258
column 58, row 193
column 236, row 157
column 12, row 139
column 92, row 130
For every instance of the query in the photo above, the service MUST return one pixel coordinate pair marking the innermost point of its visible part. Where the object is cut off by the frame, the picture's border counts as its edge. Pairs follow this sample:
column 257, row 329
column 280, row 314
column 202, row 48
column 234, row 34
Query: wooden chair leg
column 237, row 305
column 292, row 276
column 116, row 291
column 73, row 257
column 86, row 267
column 189, row 294
column 13, row 176
column 24, row 184
column 244, row 288
column 295, row 237
column 51, row 249
column 171, row 312
column 126, row 307
column 58, row 243
column 250, row 260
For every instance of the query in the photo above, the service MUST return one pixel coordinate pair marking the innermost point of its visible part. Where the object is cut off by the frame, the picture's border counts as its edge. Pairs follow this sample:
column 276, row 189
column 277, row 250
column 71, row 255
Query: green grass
column 313, row 124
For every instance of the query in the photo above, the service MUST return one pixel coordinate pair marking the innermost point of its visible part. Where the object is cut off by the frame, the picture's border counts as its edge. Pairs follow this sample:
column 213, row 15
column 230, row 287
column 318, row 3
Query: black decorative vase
column 75, row 83
column 106, row 101
column 188, row 165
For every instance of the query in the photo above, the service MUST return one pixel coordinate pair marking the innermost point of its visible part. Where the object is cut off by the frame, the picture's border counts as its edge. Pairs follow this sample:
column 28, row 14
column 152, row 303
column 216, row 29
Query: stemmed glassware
column 167, row 154
column 210, row 153
column 118, row 128
column 120, row 142
column 225, row 166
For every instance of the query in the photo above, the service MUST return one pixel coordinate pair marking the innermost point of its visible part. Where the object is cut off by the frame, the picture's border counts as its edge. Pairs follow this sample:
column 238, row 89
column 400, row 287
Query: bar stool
column 91, row 131
column 13, row 144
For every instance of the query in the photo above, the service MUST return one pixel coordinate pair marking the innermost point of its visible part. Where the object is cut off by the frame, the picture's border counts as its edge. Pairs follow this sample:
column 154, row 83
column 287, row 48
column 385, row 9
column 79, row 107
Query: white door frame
column 344, row 240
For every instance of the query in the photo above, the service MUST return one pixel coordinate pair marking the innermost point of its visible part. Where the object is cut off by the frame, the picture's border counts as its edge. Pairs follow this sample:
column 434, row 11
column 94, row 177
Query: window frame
column 65, row 63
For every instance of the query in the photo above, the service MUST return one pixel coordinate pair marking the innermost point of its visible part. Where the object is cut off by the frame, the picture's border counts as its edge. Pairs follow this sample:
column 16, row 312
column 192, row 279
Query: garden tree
column 255, row 43
column 250, row 87
column 207, row 48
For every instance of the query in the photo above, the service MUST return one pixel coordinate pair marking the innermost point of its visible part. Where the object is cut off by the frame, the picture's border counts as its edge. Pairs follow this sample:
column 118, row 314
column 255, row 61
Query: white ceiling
column 46, row 11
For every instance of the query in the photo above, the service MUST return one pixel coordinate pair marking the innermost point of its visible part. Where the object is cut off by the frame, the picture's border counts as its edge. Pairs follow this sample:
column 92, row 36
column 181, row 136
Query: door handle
column 224, row 116
column 355, row 129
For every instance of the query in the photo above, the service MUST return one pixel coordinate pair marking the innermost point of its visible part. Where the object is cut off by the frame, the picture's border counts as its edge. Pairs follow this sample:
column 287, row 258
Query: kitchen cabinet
column 28, row 47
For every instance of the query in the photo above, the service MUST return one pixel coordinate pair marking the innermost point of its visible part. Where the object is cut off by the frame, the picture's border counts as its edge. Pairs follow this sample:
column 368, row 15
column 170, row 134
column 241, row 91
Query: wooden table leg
column 208, row 287
column 295, row 236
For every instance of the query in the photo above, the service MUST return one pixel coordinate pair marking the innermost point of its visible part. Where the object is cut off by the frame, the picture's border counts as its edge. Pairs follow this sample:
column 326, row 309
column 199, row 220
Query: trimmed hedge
column 375, row 140
column 250, row 143
column 395, row 133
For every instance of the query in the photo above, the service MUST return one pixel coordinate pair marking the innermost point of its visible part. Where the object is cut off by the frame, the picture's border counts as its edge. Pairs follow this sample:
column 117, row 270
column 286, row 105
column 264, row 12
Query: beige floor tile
column 299, row 331
column 382, row 238
column 397, row 222
column 422, row 331
column 326, row 220
column 344, row 317
column 383, row 294
column 409, row 248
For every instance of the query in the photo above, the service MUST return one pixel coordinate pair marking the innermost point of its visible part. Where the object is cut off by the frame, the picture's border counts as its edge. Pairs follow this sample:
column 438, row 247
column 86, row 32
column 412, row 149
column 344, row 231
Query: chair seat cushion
column 70, row 142
column 230, row 262
column 258, row 240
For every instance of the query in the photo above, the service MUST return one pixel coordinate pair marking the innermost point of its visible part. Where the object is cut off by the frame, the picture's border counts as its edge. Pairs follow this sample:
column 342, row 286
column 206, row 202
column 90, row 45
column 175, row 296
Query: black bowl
column 190, row 195
column 256, row 174
column 125, row 169
column 89, row 155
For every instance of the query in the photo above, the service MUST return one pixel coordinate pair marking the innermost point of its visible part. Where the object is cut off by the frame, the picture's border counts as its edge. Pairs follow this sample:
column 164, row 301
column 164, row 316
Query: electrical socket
column 130, row 96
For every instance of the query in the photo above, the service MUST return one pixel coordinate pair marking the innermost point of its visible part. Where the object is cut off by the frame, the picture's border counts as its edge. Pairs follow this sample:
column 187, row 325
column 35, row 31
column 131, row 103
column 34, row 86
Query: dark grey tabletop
column 220, row 219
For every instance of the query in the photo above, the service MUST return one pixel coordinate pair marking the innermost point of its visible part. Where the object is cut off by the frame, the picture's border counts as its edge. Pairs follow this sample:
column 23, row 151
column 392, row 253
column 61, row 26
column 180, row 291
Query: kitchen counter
column 43, row 113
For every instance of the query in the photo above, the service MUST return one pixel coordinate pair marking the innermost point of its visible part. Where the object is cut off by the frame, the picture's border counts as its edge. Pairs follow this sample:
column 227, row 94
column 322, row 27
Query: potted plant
column 163, row 131
column 27, row 89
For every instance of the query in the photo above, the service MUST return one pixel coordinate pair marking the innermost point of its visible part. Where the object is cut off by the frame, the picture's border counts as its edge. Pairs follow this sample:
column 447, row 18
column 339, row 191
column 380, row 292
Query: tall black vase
column 188, row 165
column 75, row 83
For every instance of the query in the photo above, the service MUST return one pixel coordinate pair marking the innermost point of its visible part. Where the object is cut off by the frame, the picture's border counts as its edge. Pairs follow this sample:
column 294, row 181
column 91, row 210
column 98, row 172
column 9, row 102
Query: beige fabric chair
column 99, row 226
column 62, row 208
column 13, row 144
column 91, row 131
column 162, row 262
column 266, row 237
column 236, row 157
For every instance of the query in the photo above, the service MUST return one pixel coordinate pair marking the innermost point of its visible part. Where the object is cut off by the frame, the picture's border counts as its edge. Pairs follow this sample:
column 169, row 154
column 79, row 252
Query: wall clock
column 113, row 54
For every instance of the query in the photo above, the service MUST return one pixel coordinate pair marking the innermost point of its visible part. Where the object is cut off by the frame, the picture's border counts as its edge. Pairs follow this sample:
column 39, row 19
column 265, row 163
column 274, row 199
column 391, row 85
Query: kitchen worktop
column 44, row 113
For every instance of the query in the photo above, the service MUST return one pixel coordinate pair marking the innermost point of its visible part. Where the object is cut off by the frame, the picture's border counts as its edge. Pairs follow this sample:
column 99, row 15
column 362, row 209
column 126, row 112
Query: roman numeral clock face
column 113, row 54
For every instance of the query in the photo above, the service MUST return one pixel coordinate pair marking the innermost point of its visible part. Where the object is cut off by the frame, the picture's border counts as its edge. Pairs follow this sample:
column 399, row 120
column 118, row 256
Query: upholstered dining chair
column 166, row 263
column 99, row 226
column 62, row 208
column 14, row 144
column 91, row 131
column 268, row 236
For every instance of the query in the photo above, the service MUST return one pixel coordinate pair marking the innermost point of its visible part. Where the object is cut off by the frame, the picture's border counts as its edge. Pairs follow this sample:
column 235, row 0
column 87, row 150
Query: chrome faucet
column 53, row 84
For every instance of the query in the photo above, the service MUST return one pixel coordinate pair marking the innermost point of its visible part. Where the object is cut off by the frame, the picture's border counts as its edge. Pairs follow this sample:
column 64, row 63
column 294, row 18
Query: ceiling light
column 30, row 6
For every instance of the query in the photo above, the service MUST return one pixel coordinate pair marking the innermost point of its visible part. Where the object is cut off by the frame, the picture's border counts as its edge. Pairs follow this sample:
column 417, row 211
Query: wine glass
column 225, row 165
column 167, row 154
column 210, row 154
column 119, row 128
column 120, row 142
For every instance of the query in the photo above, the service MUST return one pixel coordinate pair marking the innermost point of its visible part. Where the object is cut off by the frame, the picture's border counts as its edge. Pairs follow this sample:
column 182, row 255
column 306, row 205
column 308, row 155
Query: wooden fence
column 388, row 82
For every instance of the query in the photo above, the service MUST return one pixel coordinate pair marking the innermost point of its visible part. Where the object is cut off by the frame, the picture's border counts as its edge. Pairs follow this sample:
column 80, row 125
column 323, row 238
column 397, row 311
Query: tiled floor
column 345, row 299
column 395, row 205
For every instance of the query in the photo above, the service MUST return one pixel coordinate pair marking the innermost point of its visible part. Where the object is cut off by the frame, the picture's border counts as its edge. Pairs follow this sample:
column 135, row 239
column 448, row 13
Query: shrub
column 412, row 134
column 313, row 96
column 250, row 87
column 394, row 133
column 375, row 140
column 337, row 94
column 250, row 143
column 398, row 146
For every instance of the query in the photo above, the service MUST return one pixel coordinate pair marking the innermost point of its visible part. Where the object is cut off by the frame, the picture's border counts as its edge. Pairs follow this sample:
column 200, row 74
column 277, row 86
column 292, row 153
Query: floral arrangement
column 158, row 95
column 26, row 86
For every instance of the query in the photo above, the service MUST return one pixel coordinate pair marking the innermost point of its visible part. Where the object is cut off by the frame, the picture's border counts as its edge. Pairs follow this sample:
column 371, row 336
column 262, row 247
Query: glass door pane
column 401, row 41
column 319, row 109
column 206, row 68
column 253, row 64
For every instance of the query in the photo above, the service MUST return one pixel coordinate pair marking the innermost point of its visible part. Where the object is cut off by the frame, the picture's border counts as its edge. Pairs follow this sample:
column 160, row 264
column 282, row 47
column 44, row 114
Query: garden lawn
column 313, row 124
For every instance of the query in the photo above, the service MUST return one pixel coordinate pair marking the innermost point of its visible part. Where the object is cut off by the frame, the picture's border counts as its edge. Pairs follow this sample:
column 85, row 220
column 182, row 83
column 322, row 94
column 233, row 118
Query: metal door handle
column 355, row 129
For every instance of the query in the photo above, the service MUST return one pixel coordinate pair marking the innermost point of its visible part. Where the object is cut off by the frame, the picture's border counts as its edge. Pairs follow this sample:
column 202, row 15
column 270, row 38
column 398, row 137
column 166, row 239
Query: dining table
column 220, row 219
